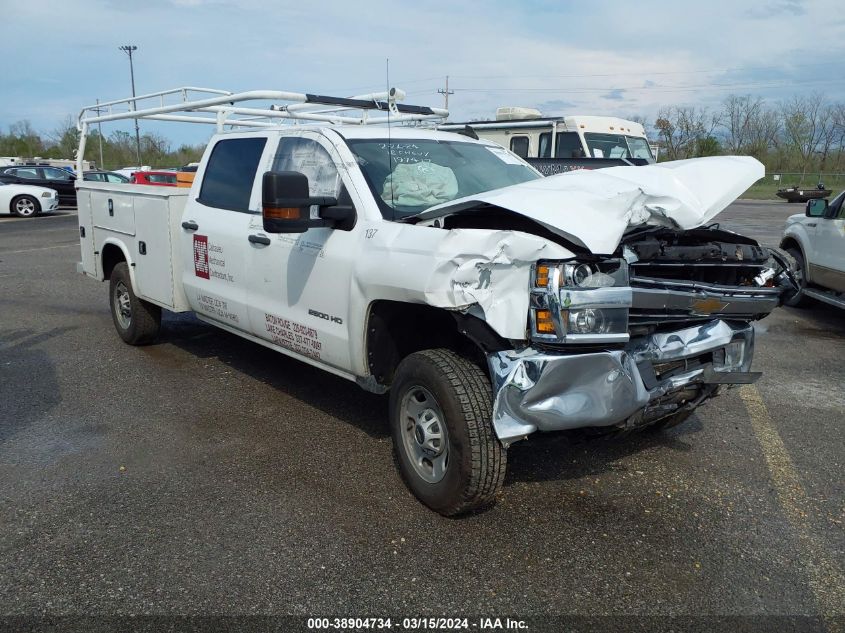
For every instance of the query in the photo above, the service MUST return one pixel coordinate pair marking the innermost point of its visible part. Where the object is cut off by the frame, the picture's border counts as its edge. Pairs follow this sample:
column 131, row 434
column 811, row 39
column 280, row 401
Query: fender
column 112, row 241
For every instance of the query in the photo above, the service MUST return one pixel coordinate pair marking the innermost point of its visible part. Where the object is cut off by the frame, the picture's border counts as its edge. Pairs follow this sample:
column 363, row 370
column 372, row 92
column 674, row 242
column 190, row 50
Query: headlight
column 47, row 194
column 580, row 301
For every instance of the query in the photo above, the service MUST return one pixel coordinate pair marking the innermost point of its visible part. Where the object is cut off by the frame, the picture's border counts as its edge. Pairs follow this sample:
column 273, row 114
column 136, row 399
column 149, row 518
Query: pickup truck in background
column 490, row 302
column 816, row 239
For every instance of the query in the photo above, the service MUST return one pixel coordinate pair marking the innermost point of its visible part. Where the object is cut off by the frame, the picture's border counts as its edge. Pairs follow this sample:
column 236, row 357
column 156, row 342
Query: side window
column 545, row 145
column 25, row 172
column 230, row 173
column 112, row 178
column 307, row 156
column 568, row 145
column 51, row 173
column 519, row 146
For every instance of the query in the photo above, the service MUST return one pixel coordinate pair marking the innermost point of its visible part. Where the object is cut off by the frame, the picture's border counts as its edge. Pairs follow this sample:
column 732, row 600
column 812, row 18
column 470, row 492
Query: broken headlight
column 580, row 301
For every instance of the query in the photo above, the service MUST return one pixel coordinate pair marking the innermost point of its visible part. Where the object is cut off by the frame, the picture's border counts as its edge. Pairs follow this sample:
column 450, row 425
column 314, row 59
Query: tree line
column 802, row 134
column 119, row 147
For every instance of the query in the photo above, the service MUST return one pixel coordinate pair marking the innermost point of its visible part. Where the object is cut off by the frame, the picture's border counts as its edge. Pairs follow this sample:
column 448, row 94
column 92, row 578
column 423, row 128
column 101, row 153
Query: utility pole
column 446, row 92
column 128, row 49
column 98, row 109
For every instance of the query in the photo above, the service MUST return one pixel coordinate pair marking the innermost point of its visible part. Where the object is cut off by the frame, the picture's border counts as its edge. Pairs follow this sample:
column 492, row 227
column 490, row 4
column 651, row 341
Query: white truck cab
column 490, row 302
column 816, row 239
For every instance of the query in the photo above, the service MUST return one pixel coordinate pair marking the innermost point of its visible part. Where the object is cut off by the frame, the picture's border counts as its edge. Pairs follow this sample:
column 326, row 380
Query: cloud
column 554, row 106
column 776, row 9
column 617, row 94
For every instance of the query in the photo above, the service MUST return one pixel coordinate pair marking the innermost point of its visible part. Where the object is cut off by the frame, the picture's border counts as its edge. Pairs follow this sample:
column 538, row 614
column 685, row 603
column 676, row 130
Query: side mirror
column 816, row 207
column 286, row 205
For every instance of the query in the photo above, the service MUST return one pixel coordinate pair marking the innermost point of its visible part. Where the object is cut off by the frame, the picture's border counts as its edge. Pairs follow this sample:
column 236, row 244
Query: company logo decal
column 201, row 256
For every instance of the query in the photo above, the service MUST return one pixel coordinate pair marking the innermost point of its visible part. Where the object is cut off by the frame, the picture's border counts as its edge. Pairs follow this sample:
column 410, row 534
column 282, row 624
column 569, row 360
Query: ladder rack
column 228, row 111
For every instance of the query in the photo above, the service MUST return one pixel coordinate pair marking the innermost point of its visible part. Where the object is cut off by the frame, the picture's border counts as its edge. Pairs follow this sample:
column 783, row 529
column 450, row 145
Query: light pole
column 128, row 48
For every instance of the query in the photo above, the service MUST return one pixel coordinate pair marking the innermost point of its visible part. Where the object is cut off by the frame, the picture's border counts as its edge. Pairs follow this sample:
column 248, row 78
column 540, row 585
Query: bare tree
column 806, row 122
column 682, row 130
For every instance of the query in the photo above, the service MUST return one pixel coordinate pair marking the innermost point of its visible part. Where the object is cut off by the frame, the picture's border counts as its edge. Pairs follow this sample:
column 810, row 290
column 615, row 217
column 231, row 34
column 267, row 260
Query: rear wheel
column 136, row 321
column 443, row 438
column 798, row 299
column 25, row 206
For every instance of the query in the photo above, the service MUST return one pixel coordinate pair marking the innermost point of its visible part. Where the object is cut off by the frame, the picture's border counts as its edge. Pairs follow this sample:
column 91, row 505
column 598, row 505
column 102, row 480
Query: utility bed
column 151, row 217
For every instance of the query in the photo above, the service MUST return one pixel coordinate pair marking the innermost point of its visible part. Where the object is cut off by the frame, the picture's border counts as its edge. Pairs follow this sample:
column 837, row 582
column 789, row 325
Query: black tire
column 798, row 299
column 672, row 421
column 476, row 461
column 136, row 321
column 25, row 206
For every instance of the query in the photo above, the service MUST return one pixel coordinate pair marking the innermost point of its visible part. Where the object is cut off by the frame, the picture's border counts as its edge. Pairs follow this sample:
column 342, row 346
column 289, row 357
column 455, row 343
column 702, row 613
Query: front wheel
column 25, row 206
column 441, row 423
column 136, row 321
column 798, row 299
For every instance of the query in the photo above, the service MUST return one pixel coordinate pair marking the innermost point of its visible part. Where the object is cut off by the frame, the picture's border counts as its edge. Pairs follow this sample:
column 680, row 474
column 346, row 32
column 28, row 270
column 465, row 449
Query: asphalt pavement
column 206, row 475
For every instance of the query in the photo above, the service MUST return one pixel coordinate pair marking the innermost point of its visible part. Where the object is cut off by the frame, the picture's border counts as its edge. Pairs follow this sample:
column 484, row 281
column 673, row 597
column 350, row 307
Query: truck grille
column 659, row 301
column 684, row 277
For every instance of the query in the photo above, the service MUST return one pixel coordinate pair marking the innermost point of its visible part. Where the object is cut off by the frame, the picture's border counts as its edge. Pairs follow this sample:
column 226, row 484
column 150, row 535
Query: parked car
column 130, row 171
column 816, row 239
column 61, row 181
column 104, row 176
column 160, row 178
column 26, row 200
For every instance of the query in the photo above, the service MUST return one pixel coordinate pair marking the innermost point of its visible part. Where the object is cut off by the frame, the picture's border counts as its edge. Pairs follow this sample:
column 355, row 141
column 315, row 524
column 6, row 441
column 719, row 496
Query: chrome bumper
column 537, row 390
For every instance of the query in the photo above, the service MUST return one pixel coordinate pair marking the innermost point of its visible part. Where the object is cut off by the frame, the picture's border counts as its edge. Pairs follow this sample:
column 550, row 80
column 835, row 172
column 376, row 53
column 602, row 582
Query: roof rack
column 222, row 104
column 183, row 104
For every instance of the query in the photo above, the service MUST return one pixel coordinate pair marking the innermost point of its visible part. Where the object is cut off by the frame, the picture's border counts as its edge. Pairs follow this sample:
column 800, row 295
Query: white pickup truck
column 490, row 302
column 816, row 239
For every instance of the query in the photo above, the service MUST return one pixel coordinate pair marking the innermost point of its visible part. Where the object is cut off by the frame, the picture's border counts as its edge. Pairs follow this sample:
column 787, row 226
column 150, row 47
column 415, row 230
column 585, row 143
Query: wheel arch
column 790, row 241
column 112, row 252
column 18, row 196
column 395, row 329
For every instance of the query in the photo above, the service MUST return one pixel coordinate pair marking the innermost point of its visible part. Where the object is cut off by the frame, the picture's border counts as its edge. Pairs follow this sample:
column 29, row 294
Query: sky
column 602, row 57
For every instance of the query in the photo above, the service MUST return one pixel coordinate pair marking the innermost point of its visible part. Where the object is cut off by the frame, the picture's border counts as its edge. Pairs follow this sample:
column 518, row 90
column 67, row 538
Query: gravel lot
column 206, row 475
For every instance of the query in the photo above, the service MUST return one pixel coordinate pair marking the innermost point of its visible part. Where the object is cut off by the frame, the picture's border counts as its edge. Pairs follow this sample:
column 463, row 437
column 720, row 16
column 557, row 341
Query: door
column 215, row 228
column 828, row 240
column 300, row 283
column 60, row 180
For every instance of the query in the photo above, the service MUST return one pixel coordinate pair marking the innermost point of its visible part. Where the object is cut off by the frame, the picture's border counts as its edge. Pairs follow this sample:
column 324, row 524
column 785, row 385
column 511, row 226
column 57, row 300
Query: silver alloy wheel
column 122, row 305
column 25, row 207
column 424, row 434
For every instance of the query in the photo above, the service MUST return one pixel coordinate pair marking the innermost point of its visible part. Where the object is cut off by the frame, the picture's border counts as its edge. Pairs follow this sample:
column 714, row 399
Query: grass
column 765, row 188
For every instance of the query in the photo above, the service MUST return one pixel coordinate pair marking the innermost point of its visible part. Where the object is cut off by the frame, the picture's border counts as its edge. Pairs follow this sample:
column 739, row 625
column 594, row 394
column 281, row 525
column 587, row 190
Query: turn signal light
column 282, row 213
column 544, row 322
column 542, row 278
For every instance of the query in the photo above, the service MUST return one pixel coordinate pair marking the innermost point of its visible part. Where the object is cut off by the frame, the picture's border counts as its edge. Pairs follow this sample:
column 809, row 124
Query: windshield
column 617, row 146
column 407, row 176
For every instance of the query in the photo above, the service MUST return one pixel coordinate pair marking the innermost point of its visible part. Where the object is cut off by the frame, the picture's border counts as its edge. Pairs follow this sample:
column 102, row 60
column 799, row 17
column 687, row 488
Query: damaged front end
column 631, row 340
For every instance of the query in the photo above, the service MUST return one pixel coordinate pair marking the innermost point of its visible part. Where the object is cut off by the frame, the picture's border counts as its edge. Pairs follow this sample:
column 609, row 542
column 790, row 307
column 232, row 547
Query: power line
column 681, row 88
column 669, row 72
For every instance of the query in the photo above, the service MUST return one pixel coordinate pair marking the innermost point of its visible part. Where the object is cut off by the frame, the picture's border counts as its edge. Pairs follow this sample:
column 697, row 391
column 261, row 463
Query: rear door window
column 52, row 173
column 230, row 173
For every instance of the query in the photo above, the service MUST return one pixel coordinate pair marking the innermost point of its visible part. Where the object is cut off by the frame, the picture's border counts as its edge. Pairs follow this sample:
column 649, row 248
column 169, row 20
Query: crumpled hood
column 593, row 208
